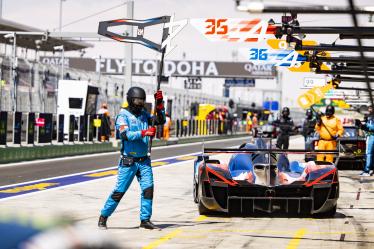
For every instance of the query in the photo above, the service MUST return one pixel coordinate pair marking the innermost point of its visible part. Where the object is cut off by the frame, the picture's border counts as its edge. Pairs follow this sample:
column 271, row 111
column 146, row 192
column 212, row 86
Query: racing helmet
column 330, row 110
column 136, row 99
column 309, row 114
column 285, row 112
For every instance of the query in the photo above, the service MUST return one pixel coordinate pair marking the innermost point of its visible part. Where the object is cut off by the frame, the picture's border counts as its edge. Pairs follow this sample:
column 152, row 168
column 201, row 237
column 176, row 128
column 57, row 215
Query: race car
column 351, row 147
column 268, row 130
column 257, row 180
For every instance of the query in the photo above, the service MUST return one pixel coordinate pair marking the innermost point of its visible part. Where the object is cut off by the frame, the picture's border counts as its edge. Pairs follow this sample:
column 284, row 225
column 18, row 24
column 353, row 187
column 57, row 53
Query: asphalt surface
column 182, row 226
column 23, row 172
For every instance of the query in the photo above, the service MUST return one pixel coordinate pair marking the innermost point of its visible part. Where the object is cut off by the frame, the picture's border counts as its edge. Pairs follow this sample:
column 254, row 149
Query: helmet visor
column 138, row 101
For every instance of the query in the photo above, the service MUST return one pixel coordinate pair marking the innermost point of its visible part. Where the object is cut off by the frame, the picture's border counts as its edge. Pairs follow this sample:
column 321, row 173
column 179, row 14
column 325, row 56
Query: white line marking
column 97, row 170
column 81, row 183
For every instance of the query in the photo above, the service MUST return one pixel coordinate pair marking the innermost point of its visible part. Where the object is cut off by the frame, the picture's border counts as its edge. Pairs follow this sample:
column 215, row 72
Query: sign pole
column 159, row 76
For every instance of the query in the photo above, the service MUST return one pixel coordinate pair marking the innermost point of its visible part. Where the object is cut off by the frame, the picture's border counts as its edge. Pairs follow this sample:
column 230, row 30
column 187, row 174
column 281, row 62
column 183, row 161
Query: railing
column 189, row 128
column 18, row 128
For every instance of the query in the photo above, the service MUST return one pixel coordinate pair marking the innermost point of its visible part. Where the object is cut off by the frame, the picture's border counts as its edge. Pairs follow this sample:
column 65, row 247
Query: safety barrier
column 28, row 129
column 192, row 127
column 18, row 128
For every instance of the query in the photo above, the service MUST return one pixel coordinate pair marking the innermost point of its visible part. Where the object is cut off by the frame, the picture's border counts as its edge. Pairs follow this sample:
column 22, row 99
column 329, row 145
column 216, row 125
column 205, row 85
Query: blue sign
column 271, row 105
column 239, row 82
column 226, row 92
column 283, row 58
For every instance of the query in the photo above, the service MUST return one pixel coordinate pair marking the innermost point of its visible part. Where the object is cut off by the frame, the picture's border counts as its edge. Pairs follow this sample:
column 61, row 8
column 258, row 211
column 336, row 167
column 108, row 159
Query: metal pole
column 13, row 68
column 62, row 75
column 346, row 59
column 304, row 10
column 345, row 31
column 60, row 17
column 128, row 50
column 62, row 62
column 355, row 79
column 1, row 8
column 332, row 47
column 361, row 50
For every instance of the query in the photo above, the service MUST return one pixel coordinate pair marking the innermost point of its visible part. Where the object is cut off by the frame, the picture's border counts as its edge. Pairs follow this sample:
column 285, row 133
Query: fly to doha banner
column 219, row 69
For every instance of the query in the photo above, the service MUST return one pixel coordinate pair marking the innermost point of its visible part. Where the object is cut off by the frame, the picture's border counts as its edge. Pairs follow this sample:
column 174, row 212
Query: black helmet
column 136, row 93
column 285, row 112
column 309, row 113
column 330, row 110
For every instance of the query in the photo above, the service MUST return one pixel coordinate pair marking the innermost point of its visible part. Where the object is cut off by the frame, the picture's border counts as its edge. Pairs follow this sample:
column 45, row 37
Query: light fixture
column 369, row 8
column 38, row 43
column 58, row 48
column 9, row 35
column 250, row 6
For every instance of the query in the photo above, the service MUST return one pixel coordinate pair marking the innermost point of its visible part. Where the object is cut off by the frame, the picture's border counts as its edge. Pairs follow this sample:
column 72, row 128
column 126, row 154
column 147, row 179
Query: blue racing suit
column 369, row 127
column 134, row 147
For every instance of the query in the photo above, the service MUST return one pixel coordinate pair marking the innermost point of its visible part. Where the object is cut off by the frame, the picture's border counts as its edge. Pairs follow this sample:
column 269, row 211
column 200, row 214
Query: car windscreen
column 350, row 132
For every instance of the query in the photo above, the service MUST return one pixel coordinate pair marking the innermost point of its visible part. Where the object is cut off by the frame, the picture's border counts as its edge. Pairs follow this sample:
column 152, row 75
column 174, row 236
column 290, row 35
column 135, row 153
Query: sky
column 191, row 45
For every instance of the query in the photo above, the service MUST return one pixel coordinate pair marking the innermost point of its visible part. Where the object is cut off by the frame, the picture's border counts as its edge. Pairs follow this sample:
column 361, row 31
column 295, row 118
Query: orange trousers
column 166, row 133
column 248, row 128
column 326, row 145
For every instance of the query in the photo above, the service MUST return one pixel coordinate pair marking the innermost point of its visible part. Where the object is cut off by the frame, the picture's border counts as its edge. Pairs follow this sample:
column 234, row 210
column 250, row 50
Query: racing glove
column 159, row 100
column 151, row 131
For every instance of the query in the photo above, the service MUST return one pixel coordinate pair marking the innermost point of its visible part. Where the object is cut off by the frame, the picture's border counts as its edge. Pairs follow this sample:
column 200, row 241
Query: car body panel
column 267, row 187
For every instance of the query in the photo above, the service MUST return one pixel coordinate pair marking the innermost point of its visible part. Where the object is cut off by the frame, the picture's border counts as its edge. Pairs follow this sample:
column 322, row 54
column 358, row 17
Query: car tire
column 327, row 214
column 195, row 192
column 202, row 209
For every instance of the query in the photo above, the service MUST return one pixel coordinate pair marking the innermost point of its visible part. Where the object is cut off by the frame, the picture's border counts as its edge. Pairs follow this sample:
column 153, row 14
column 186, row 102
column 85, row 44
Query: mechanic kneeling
column 369, row 128
column 132, row 124
column 329, row 128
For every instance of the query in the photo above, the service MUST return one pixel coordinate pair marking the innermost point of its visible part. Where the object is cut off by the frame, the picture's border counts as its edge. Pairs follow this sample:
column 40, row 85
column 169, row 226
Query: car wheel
column 327, row 214
column 202, row 209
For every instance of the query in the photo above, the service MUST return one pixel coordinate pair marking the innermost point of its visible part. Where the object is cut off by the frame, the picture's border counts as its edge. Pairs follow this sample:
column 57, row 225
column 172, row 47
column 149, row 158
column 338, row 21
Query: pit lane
column 34, row 170
column 176, row 213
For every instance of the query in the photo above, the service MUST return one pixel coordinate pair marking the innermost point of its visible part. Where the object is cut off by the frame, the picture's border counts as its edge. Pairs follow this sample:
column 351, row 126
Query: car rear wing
column 267, row 151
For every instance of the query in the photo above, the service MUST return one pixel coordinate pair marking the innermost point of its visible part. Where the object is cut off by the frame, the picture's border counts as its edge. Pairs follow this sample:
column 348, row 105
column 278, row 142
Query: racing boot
column 102, row 222
column 364, row 173
column 147, row 224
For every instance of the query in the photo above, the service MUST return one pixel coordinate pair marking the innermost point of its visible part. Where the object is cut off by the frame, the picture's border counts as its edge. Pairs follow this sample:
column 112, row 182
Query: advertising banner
column 60, row 129
column 71, row 128
column 45, row 132
column 30, row 128
column 3, row 127
column 17, row 127
column 181, row 68
column 239, row 82
column 40, row 122
column 82, row 128
column 91, row 128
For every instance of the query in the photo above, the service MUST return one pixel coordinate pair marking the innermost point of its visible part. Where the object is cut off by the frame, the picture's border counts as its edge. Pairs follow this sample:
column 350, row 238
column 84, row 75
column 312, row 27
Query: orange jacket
column 334, row 126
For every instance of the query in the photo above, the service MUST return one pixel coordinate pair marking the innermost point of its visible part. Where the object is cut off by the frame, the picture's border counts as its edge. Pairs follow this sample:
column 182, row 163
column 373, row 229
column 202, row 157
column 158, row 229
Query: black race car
column 255, row 180
column 351, row 147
